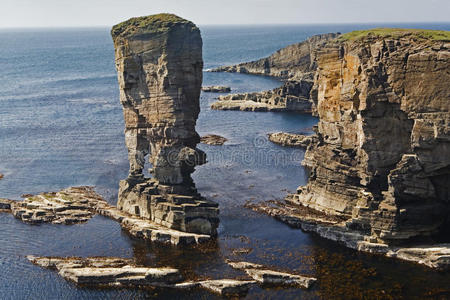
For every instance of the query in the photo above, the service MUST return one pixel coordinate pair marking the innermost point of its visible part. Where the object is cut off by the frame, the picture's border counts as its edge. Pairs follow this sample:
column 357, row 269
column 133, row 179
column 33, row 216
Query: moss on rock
column 435, row 35
column 148, row 24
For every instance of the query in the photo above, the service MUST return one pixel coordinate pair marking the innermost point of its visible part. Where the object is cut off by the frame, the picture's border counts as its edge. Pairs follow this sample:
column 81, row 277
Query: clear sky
column 73, row 13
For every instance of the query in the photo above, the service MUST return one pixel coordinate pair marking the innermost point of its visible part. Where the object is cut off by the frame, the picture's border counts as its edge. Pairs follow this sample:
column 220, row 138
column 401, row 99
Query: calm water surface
column 61, row 125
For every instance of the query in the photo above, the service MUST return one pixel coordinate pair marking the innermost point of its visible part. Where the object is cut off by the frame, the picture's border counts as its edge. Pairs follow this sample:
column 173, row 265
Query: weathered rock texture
column 70, row 206
column 114, row 272
column 213, row 139
column 296, row 64
column 267, row 276
column 292, row 96
column 292, row 139
column 382, row 158
column 159, row 64
column 79, row 204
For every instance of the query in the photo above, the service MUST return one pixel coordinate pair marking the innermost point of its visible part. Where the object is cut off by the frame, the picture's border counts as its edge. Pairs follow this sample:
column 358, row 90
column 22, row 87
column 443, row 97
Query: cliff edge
column 382, row 158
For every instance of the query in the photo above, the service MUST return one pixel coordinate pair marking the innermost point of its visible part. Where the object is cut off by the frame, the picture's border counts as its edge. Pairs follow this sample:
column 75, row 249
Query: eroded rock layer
column 292, row 96
column 382, row 158
column 159, row 64
column 295, row 63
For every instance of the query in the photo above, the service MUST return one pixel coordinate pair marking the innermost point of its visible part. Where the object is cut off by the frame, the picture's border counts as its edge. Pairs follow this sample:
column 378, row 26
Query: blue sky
column 73, row 13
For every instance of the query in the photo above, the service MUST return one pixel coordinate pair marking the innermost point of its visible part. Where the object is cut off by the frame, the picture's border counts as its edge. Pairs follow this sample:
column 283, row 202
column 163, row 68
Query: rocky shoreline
column 292, row 96
column 79, row 204
column 295, row 64
column 435, row 256
column 113, row 272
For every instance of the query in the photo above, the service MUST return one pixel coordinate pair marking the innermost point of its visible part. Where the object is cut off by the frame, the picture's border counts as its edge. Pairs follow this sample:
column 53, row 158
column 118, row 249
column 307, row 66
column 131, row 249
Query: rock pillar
column 159, row 64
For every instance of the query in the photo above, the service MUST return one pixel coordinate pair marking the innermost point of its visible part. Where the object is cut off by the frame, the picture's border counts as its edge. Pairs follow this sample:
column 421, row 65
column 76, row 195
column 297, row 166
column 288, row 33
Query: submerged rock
column 216, row 89
column 291, row 139
column 213, row 139
column 159, row 64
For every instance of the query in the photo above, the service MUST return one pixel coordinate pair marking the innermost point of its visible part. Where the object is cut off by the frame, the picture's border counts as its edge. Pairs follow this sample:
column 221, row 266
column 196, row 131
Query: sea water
column 61, row 125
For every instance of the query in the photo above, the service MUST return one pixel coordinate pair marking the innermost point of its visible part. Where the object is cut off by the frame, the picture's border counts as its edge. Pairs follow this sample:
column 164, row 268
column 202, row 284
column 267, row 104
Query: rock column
column 159, row 64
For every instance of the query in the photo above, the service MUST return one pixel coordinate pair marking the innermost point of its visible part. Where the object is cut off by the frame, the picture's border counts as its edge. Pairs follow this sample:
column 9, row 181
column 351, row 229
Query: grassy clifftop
column 435, row 35
column 153, row 23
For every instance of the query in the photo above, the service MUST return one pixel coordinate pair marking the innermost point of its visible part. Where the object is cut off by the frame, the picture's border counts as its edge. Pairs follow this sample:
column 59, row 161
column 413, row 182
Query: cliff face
column 382, row 159
column 295, row 63
column 159, row 64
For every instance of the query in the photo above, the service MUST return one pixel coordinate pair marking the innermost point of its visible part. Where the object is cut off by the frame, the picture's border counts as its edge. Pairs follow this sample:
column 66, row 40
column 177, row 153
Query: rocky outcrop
column 213, row 139
column 436, row 256
column 79, row 204
column 296, row 64
column 382, row 157
column 292, row 139
column 69, row 206
column 216, row 89
column 267, row 276
column 159, row 64
column 292, row 96
column 114, row 272
column 107, row 271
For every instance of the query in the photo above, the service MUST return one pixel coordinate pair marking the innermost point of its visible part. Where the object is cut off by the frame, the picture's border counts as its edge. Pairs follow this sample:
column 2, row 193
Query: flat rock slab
column 271, row 277
column 69, row 206
column 216, row 89
column 213, row 139
column 291, row 139
column 246, row 105
column 79, row 204
column 266, row 276
column 104, row 271
column 228, row 287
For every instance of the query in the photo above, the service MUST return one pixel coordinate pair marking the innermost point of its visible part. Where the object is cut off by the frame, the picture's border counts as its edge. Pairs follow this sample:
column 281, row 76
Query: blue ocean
column 61, row 125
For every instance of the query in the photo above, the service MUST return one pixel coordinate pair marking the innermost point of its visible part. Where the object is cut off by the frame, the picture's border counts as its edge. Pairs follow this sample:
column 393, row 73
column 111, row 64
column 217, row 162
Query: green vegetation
column 153, row 23
column 435, row 35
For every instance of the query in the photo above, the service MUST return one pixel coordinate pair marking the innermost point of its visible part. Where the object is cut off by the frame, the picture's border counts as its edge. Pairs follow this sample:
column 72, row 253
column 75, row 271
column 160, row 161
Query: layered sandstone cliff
column 382, row 158
column 296, row 64
column 159, row 64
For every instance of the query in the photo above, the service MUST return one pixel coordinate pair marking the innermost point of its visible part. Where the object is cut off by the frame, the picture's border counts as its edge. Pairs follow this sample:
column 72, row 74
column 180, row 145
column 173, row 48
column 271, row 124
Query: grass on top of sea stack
column 435, row 35
column 147, row 24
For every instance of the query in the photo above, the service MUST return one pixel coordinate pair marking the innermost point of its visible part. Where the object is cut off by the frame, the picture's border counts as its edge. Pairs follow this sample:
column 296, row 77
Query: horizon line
column 236, row 24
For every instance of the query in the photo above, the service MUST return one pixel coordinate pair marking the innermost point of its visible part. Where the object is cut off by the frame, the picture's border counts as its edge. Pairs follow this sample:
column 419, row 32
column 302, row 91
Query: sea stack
column 382, row 157
column 159, row 64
